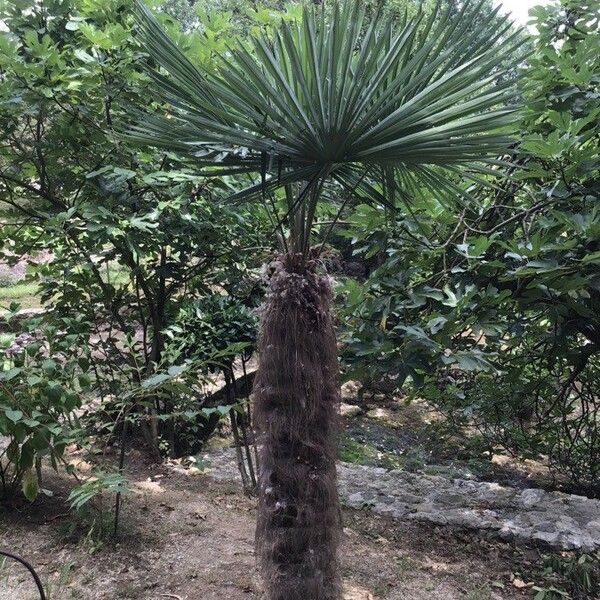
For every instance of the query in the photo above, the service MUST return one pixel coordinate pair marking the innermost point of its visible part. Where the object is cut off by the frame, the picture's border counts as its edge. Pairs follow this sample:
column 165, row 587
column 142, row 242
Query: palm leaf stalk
column 332, row 106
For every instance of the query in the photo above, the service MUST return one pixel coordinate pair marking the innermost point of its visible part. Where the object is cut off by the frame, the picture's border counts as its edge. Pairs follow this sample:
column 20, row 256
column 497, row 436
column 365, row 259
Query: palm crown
column 333, row 98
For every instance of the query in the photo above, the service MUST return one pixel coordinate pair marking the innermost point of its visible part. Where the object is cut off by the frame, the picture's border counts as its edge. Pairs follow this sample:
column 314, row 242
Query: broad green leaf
column 30, row 485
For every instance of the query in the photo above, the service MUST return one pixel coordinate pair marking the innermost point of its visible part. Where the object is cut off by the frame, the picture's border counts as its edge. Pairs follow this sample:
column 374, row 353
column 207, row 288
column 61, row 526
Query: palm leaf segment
column 334, row 98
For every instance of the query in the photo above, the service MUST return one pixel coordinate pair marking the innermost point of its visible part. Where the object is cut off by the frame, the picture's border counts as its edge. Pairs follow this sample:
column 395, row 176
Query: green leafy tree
column 492, row 311
column 128, row 236
column 550, row 256
column 321, row 111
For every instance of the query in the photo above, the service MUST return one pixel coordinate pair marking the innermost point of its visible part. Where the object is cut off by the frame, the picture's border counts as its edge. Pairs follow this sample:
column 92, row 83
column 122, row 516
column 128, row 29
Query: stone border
column 560, row 520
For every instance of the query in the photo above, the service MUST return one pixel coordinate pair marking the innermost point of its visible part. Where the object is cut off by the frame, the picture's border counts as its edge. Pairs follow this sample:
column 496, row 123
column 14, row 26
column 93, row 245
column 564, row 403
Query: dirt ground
column 186, row 536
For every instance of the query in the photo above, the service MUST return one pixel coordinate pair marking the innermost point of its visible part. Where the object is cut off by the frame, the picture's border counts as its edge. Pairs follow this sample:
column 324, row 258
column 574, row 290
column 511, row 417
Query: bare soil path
column 190, row 537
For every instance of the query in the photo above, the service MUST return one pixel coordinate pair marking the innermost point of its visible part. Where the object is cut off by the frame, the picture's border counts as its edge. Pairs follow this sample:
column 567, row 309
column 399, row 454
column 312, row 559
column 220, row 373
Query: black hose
column 30, row 569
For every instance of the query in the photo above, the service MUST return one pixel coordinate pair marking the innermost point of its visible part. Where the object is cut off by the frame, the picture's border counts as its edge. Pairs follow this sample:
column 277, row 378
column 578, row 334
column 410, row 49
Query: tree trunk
column 296, row 393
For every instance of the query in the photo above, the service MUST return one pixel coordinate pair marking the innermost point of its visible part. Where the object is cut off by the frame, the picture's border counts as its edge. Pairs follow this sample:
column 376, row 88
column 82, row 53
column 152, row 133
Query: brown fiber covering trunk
column 297, row 394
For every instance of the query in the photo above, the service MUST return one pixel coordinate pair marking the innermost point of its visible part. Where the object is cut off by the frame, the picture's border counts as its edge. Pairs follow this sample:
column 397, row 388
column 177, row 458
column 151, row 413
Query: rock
column 382, row 414
column 148, row 486
column 407, row 498
column 350, row 390
column 531, row 497
column 350, row 410
column 554, row 518
column 594, row 526
column 386, row 500
column 355, row 500
column 450, row 499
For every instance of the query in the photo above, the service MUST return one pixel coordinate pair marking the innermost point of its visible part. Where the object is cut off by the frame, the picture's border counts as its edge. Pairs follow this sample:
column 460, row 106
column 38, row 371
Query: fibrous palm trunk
column 296, row 406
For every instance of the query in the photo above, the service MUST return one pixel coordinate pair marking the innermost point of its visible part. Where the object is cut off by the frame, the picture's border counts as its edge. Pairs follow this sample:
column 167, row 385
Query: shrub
column 38, row 397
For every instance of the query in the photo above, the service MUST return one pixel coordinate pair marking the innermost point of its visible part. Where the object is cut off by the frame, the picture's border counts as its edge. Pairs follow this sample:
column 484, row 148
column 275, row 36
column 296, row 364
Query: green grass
column 357, row 453
column 23, row 293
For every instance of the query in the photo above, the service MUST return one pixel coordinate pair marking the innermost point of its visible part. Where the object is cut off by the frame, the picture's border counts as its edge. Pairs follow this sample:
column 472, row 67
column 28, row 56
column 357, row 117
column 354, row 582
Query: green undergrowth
column 364, row 453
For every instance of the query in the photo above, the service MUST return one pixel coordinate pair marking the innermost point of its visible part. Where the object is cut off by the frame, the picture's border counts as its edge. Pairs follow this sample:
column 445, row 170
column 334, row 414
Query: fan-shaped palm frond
column 336, row 97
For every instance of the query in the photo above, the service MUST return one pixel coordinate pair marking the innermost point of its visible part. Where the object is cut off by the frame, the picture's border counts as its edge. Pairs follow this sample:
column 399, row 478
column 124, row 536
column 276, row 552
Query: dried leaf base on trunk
column 297, row 395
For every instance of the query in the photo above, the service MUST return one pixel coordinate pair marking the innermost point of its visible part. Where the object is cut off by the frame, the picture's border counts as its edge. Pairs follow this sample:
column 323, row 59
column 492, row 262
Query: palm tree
column 328, row 109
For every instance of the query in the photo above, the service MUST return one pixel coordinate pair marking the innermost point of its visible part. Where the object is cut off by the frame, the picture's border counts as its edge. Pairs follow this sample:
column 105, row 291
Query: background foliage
column 117, row 241
column 489, row 312
column 492, row 312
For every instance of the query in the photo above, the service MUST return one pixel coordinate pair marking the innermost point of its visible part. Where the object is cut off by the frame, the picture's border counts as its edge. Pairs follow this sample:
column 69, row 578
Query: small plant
column 38, row 395
column 55, row 587
column 98, row 521
column 101, row 482
column 579, row 574
column 91, row 528
column 549, row 593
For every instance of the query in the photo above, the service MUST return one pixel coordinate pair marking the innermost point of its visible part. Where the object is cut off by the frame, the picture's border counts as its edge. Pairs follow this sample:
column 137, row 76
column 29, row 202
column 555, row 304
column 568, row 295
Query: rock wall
column 560, row 520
